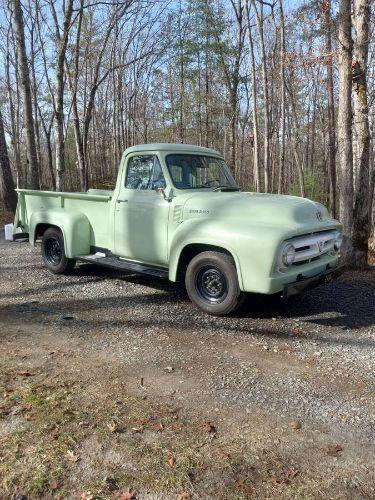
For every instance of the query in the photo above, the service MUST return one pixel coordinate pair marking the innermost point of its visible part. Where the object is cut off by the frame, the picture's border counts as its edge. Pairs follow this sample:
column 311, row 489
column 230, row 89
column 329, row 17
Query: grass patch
column 62, row 436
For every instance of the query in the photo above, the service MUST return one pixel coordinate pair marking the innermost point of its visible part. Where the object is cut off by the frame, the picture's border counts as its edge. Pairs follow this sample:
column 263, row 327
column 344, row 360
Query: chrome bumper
column 307, row 283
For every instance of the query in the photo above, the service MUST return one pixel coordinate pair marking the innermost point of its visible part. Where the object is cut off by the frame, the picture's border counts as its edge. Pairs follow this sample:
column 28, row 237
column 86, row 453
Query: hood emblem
column 320, row 246
column 319, row 215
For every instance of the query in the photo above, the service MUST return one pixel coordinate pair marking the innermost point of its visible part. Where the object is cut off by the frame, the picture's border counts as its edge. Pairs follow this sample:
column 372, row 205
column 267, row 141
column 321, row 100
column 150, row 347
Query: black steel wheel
column 53, row 252
column 212, row 283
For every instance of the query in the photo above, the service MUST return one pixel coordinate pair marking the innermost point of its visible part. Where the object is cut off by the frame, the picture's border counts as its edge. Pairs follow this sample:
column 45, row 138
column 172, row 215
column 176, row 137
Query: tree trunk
column 73, row 84
column 282, row 104
column 13, row 122
column 362, row 205
column 62, row 42
column 344, row 125
column 331, row 109
column 255, row 139
column 8, row 195
column 18, row 28
column 266, row 113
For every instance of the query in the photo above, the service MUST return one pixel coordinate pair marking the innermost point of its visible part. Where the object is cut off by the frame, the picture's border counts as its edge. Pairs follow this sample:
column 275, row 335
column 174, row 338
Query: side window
column 144, row 172
column 176, row 172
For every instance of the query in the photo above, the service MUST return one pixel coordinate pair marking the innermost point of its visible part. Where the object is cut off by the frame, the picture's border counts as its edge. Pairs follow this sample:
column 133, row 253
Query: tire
column 53, row 252
column 212, row 284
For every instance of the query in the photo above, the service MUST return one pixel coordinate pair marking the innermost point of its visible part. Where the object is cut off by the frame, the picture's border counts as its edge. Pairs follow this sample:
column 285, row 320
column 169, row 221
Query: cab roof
column 173, row 148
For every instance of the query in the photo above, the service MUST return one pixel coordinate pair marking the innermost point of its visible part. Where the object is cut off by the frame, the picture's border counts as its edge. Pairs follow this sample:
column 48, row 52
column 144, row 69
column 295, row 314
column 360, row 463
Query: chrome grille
column 310, row 247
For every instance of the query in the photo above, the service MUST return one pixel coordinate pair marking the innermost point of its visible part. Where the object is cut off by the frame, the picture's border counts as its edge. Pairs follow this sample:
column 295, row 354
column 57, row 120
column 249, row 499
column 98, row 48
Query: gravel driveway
column 256, row 378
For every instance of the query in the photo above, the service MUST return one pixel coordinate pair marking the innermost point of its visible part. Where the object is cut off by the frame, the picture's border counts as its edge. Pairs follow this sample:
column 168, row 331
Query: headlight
column 288, row 255
column 337, row 243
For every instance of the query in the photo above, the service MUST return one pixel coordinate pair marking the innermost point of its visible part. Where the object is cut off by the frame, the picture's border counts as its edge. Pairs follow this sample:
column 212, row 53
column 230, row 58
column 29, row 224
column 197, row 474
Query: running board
column 123, row 264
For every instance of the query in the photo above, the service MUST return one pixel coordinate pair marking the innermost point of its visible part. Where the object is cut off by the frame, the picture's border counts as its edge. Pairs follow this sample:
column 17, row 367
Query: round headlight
column 337, row 243
column 288, row 255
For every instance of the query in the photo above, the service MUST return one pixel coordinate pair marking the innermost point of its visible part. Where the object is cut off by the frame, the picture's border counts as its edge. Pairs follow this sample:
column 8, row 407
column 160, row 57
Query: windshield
column 197, row 171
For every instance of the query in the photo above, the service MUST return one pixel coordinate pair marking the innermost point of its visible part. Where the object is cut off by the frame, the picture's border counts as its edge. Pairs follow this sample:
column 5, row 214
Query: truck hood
column 257, row 208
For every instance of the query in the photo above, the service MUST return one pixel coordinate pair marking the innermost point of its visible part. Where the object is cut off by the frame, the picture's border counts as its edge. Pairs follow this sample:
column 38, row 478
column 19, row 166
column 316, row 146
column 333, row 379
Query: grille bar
column 317, row 244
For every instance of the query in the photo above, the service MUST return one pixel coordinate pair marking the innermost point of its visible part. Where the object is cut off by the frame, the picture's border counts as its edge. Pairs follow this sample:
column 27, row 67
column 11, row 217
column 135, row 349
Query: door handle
column 122, row 201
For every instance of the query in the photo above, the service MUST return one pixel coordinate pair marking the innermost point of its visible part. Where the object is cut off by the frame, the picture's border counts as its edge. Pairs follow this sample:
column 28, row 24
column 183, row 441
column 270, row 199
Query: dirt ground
column 115, row 386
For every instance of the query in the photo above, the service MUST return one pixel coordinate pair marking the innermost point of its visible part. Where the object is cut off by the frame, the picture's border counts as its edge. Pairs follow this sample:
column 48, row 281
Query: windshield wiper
column 227, row 188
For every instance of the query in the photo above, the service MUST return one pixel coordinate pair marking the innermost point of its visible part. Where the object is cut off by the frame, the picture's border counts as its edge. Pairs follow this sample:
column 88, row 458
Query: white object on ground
column 9, row 231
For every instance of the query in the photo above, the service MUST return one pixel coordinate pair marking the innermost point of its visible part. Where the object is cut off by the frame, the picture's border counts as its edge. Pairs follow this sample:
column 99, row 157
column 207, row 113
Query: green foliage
column 314, row 187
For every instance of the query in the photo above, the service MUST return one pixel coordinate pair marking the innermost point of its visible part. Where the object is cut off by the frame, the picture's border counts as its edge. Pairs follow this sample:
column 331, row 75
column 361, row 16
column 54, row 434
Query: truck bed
column 94, row 203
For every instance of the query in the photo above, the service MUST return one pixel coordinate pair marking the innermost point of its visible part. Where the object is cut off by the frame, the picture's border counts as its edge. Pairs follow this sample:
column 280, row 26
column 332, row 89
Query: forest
column 284, row 89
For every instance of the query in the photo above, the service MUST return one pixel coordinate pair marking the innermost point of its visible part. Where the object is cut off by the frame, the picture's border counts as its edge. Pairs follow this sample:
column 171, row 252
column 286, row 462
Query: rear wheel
column 212, row 283
column 53, row 252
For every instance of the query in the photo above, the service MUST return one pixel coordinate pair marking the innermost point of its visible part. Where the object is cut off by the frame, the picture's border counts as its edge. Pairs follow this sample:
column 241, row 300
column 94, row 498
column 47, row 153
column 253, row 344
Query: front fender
column 74, row 225
column 253, row 246
column 195, row 231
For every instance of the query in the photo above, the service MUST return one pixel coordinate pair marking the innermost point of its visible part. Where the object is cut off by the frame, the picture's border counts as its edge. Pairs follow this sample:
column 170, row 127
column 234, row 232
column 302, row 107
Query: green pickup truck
column 176, row 212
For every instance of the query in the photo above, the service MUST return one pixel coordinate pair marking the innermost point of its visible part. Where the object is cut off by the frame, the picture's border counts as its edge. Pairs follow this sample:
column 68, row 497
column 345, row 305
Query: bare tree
column 259, row 16
column 18, row 27
column 362, row 204
column 330, row 106
column 8, row 195
column 255, row 138
column 344, row 122
column 282, row 103
column 62, row 42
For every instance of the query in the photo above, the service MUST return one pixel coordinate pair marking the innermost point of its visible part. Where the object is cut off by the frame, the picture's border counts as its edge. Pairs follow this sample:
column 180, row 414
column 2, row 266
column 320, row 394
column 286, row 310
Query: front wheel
column 53, row 252
column 212, row 283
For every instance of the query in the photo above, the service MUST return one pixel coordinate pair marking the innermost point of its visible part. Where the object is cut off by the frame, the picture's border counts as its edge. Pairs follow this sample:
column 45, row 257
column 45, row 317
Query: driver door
column 141, row 212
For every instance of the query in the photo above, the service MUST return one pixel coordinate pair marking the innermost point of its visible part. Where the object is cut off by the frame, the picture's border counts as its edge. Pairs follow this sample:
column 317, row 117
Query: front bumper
column 307, row 283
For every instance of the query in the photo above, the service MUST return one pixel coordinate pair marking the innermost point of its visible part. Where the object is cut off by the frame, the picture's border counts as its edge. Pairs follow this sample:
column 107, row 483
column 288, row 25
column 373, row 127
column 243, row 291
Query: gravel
column 309, row 358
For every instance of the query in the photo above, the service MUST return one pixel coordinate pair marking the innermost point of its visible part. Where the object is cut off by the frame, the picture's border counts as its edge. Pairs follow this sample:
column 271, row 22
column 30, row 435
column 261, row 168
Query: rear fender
column 75, row 227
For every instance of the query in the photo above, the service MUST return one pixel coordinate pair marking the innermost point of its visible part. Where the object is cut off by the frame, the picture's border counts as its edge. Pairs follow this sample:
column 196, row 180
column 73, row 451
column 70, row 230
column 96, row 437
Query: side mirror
column 166, row 192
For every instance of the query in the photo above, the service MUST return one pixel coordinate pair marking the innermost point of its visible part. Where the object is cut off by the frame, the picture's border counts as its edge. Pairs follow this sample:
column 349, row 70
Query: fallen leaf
column 295, row 424
column 137, row 430
column 208, row 427
column 112, row 426
column 129, row 494
column 184, row 495
column 53, row 484
column 159, row 427
column 224, row 456
column 334, row 450
column 171, row 460
column 70, row 455
column 87, row 495
column 285, row 476
column 245, row 487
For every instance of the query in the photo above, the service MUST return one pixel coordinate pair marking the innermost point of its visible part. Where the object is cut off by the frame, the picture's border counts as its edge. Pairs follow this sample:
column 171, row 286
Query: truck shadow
column 347, row 303
column 344, row 304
